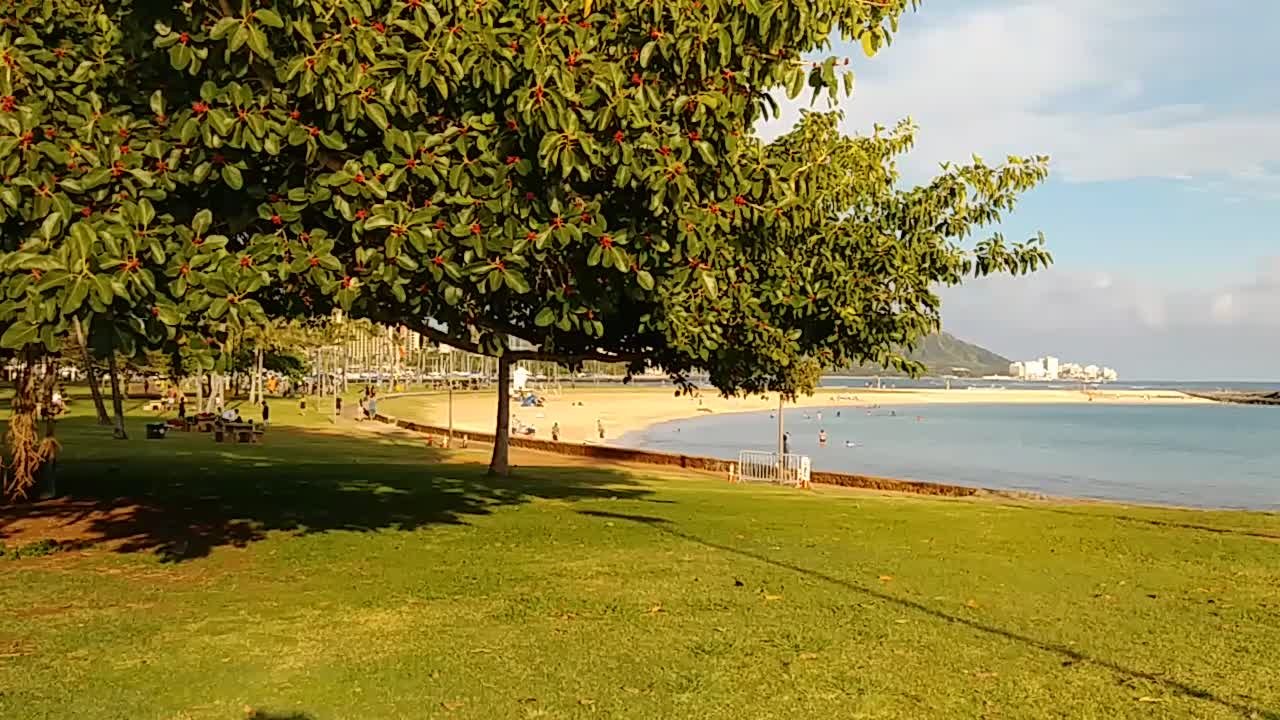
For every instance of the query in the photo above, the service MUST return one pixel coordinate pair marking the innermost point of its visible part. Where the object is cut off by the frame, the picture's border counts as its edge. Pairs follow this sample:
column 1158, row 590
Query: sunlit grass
column 343, row 575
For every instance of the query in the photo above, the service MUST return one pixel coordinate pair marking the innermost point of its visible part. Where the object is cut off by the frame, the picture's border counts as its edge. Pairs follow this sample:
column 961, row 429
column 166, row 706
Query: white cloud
column 1230, row 327
column 1077, row 80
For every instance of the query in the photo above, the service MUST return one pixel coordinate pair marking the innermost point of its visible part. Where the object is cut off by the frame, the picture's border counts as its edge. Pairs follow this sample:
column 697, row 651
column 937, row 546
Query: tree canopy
column 584, row 176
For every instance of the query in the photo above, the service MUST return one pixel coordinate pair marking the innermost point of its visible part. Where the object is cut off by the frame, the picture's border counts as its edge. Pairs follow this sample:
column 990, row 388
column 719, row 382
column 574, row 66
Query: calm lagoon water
column 1197, row 455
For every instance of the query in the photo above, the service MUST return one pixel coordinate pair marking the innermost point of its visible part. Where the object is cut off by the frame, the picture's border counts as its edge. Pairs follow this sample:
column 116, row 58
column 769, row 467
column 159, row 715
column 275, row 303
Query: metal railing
column 758, row 466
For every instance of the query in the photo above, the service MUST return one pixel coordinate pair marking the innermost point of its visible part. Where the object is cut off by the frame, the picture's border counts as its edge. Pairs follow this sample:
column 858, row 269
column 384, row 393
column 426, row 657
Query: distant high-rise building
column 1034, row 369
column 1051, row 368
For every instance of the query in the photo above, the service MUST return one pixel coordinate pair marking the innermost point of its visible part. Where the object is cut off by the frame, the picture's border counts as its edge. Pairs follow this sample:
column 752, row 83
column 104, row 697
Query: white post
column 782, row 441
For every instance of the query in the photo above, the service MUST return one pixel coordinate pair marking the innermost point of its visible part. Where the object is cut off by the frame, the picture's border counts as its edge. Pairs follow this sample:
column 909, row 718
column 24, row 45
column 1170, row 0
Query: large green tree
column 583, row 177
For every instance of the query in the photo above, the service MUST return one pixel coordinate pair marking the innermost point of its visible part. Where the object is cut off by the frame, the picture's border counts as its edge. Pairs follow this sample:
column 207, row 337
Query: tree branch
column 444, row 338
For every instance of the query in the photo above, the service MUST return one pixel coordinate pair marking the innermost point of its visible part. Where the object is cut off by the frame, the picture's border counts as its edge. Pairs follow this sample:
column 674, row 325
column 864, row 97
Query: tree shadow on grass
column 185, row 495
column 1069, row 654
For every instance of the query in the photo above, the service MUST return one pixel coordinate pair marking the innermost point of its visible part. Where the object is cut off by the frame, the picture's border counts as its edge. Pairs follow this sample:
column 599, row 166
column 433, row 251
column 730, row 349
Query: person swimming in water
column 822, row 438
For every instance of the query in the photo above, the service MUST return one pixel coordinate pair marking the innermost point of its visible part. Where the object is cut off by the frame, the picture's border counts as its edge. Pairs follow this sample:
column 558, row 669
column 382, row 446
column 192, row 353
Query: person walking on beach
column 600, row 427
column 555, row 432
column 786, row 443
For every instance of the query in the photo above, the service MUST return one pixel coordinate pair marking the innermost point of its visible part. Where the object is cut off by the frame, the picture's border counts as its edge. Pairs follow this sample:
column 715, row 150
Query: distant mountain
column 946, row 354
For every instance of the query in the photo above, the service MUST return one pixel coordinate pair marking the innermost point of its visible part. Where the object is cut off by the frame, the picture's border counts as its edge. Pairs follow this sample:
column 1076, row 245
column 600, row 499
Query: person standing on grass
column 337, row 406
column 182, row 407
column 266, row 414
column 373, row 404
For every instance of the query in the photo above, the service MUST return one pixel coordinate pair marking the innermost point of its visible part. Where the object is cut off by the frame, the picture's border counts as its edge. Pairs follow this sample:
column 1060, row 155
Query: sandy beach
column 626, row 409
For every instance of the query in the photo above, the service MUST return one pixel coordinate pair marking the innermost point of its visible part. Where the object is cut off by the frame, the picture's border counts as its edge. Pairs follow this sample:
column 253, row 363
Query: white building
column 1034, row 369
column 1051, row 368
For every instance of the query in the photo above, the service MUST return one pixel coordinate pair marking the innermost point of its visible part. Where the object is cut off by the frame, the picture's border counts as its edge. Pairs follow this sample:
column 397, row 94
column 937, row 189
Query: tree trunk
column 117, row 401
column 499, row 465
column 91, row 374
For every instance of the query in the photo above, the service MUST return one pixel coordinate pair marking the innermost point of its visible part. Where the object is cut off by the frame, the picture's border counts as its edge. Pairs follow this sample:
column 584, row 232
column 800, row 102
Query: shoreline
column 626, row 410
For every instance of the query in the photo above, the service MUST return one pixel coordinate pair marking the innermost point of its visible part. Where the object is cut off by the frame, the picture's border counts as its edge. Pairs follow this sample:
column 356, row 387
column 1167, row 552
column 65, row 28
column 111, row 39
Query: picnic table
column 205, row 423
column 237, row 433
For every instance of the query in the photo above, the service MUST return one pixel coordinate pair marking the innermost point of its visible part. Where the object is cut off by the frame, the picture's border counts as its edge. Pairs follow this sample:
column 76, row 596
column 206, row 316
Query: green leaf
column 709, row 281
column 157, row 102
column 516, row 281
column 52, row 225
column 258, row 42
column 333, row 141
column 102, row 286
column 19, row 334
column 869, row 44
column 376, row 115
column 231, row 176
column 218, row 308
column 645, row 279
column 646, row 53
column 223, row 27
column 201, row 222
column 168, row 315
column 268, row 18
column 545, row 317
column 94, row 178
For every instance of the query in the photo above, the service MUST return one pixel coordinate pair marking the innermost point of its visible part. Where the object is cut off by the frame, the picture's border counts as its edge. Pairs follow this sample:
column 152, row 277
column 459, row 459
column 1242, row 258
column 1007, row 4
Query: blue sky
column 1163, row 211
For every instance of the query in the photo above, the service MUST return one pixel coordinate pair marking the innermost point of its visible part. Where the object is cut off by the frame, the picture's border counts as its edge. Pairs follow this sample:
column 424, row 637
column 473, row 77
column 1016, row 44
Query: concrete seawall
column 673, row 460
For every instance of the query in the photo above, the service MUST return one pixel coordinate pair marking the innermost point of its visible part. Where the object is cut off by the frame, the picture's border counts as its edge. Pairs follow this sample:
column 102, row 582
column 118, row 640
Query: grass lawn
column 335, row 575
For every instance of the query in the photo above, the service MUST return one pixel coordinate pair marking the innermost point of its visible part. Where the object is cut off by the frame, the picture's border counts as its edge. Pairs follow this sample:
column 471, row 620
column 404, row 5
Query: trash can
column 156, row 431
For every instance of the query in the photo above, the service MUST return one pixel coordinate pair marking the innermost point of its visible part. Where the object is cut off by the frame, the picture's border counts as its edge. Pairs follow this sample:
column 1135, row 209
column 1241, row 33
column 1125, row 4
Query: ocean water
column 1225, row 456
